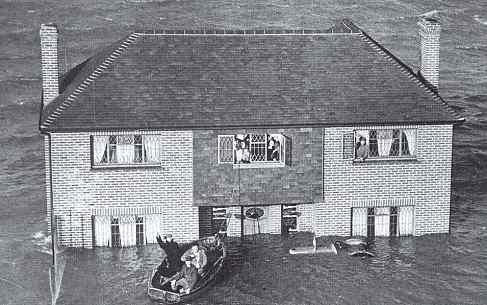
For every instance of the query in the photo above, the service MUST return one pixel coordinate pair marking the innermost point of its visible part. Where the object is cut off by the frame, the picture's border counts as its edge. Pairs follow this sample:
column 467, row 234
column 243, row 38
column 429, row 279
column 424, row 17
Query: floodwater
column 436, row 269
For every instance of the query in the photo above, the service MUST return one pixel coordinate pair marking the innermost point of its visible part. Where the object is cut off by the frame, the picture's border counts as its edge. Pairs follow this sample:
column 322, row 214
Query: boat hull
column 162, row 292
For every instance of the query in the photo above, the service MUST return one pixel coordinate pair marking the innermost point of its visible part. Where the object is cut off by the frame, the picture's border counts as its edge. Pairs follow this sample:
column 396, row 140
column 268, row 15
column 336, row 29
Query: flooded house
column 172, row 131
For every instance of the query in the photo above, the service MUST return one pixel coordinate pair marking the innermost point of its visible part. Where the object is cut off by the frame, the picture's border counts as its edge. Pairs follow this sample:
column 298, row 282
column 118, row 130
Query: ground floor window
column 139, row 231
column 383, row 221
column 289, row 214
column 115, row 232
column 125, row 230
column 219, row 220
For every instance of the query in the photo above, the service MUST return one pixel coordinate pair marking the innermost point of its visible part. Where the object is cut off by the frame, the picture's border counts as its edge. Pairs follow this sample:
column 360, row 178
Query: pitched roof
column 214, row 79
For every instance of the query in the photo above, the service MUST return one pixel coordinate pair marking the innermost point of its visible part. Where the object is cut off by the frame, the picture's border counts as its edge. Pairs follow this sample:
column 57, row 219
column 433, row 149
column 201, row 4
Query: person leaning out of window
column 362, row 149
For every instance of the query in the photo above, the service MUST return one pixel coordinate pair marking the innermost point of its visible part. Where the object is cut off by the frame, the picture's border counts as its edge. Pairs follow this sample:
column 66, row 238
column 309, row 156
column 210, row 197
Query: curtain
column 151, row 228
column 100, row 144
column 151, row 148
column 381, row 221
column 102, row 231
column 125, row 149
column 359, row 222
column 406, row 220
column 127, row 230
column 411, row 137
column 384, row 141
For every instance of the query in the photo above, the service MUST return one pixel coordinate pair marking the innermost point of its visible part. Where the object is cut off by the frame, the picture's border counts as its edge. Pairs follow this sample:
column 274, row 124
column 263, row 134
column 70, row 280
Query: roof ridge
column 240, row 32
column 409, row 72
column 115, row 54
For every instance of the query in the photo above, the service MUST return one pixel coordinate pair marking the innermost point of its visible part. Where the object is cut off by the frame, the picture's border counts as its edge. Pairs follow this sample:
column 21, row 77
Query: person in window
column 274, row 147
column 186, row 277
column 199, row 257
column 362, row 151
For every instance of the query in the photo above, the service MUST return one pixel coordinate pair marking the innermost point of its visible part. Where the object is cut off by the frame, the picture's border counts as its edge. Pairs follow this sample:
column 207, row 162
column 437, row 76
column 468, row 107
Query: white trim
column 118, row 211
column 383, row 202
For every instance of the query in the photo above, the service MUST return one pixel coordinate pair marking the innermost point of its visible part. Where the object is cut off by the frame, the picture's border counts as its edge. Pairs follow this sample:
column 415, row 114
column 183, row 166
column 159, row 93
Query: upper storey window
column 385, row 143
column 381, row 144
column 252, row 149
column 125, row 150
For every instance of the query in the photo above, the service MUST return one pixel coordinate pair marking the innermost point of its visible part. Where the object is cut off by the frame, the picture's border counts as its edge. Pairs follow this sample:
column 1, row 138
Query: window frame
column 139, row 230
column 115, row 235
column 253, row 163
column 112, row 149
column 400, row 155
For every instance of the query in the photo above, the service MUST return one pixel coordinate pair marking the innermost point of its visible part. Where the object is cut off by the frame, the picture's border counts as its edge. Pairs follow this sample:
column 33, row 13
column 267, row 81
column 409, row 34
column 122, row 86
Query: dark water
column 445, row 269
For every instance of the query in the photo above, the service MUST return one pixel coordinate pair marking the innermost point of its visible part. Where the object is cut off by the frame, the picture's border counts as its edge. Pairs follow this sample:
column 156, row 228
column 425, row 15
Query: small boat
column 159, row 288
column 313, row 250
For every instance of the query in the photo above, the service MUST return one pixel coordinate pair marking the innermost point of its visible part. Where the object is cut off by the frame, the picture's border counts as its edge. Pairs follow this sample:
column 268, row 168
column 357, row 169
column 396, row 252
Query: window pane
column 404, row 145
column 373, row 148
column 225, row 146
column 258, row 148
column 395, row 143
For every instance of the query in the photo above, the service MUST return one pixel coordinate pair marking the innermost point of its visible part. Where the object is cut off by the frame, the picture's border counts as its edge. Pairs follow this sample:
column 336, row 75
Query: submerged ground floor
column 131, row 226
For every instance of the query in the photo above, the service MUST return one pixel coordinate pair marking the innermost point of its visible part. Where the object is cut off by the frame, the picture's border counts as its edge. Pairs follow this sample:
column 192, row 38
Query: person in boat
column 186, row 278
column 199, row 257
column 170, row 262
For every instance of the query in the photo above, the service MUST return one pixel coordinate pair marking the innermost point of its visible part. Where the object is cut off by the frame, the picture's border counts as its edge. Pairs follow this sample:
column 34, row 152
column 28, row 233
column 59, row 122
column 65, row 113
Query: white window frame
column 384, row 158
column 255, row 164
column 108, row 164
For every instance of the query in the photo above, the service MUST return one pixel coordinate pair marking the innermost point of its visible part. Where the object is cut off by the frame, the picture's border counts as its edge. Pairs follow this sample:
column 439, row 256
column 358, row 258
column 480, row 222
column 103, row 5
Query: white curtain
column 151, row 228
column 384, row 141
column 151, row 146
column 127, row 230
column 100, row 144
column 359, row 222
column 382, row 220
column 102, row 231
column 411, row 137
column 125, row 149
column 406, row 220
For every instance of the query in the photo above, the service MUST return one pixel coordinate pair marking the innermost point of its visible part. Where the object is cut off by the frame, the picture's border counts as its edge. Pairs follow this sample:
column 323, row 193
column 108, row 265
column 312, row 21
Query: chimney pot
column 429, row 32
column 49, row 62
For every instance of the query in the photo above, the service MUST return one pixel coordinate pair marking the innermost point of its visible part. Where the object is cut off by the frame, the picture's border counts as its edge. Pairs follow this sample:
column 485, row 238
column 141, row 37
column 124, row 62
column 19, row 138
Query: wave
column 480, row 19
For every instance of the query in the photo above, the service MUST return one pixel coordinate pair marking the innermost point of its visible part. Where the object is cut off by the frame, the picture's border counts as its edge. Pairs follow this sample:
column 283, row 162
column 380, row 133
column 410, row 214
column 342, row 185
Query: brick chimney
column 429, row 32
column 49, row 62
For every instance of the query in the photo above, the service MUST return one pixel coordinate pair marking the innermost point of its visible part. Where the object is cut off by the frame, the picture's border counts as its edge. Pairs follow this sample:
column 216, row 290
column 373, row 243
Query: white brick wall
column 425, row 181
column 77, row 188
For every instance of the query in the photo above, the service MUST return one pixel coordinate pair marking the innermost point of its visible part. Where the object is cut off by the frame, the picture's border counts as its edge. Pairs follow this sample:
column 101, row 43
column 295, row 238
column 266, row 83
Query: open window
column 252, row 149
column 381, row 144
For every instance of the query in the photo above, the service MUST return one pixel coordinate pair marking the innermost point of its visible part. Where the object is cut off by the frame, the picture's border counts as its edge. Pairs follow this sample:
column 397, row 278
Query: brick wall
column 424, row 182
column 429, row 32
column 78, row 189
column 49, row 62
column 299, row 181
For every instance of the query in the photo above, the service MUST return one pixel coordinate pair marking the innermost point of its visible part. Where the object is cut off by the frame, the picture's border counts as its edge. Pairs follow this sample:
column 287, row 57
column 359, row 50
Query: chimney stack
column 49, row 62
column 429, row 32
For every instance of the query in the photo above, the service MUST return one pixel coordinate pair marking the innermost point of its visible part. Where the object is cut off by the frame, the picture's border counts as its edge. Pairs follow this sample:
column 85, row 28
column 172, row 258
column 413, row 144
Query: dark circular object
column 254, row 213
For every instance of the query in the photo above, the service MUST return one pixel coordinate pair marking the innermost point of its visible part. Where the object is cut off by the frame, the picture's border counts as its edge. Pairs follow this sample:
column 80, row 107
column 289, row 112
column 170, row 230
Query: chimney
column 429, row 32
column 49, row 62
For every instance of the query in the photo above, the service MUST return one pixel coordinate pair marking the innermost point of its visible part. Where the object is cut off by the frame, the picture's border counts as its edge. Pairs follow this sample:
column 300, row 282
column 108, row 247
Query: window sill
column 259, row 165
column 123, row 166
column 372, row 160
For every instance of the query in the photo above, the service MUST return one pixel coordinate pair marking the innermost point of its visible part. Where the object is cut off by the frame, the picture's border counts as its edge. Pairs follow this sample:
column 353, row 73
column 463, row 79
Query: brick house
column 167, row 131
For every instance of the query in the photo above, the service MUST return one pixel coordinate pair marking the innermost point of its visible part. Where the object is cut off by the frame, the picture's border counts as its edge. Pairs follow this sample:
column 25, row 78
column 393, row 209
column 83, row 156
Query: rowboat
column 159, row 288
